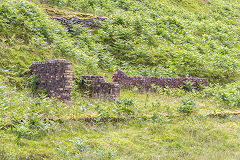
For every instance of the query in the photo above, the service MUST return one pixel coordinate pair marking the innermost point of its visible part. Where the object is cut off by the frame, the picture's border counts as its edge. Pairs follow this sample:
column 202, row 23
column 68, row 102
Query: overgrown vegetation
column 170, row 38
column 147, row 38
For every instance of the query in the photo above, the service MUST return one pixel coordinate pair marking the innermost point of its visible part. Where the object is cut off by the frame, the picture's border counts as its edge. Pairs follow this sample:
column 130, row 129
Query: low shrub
column 228, row 96
column 188, row 106
column 124, row 106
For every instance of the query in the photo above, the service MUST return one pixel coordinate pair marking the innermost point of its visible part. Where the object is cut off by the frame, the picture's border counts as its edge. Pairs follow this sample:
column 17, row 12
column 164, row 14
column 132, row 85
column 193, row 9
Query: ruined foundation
column 146, row 83
column 98, row 88
column 55, row 77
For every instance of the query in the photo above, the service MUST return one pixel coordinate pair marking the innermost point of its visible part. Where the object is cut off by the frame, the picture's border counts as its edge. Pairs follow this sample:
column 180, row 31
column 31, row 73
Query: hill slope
column 160, row 38
column 187, row 38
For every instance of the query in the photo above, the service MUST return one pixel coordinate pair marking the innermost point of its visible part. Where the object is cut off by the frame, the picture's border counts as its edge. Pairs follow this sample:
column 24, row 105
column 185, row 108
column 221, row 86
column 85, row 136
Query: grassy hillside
column 159, row 38
column 170, row 38
column 166, row 38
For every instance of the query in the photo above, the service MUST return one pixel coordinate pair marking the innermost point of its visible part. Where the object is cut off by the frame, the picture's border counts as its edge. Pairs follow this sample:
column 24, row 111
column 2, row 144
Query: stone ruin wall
column 97, row 87
column 55, row 77
column 92, row 22
column 145, row 83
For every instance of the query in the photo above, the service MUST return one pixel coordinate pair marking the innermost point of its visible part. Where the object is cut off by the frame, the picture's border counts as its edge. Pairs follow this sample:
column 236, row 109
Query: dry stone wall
column 55, row 77
column 145, row 83
column 92, row 22
column 97, row 87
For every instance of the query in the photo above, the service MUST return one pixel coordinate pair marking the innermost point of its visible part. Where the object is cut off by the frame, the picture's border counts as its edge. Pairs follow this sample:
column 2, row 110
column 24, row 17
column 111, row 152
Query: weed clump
column 124, row 106
column 188, row 106
column 188, row 86
column 32, row 127
column 33, row 81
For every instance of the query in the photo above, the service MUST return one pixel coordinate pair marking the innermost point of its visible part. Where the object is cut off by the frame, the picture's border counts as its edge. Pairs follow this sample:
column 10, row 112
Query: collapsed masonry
column 146, row 83
column 55, row 77
column 92, row 22
column 97, row 87
column 70, row 18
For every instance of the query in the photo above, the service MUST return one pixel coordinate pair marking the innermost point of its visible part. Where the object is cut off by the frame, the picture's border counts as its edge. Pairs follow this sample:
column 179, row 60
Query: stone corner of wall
column 55, row 77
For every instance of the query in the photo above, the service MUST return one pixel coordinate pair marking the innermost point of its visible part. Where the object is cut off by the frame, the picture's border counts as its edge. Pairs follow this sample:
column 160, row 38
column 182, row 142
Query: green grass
column 30, row 128
column 131, row 103
column 176, row 38
column 192, row 137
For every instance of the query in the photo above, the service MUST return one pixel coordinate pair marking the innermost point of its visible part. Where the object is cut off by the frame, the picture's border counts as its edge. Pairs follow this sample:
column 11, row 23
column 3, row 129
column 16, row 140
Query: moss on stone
column 58, row 13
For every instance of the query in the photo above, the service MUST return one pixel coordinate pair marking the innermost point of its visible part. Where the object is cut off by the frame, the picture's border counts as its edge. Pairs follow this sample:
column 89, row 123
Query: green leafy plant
column 32, row 83
column 30, row 128
column 188, row 86
column 124, row 106
column 188, row 106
